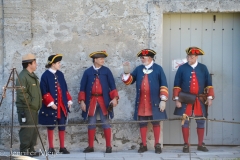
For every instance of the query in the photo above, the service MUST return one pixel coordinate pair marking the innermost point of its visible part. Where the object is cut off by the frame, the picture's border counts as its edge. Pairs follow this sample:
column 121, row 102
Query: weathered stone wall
column 76, row 28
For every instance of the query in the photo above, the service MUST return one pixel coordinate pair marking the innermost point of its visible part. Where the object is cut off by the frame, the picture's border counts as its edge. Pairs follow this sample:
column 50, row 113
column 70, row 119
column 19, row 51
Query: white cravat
column 96, row 68
column 52, row 70
column 194, row 65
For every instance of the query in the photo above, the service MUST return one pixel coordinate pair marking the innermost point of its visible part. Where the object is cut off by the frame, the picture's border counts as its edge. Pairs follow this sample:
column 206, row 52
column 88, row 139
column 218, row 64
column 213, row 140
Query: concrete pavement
column 169, row 153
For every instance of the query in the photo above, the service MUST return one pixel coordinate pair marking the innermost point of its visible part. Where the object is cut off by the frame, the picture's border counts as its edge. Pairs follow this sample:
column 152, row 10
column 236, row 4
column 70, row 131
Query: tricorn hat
column 98, row 54
column 28, row 58
column 147, row 52
column 54, row 59
column 194, row 51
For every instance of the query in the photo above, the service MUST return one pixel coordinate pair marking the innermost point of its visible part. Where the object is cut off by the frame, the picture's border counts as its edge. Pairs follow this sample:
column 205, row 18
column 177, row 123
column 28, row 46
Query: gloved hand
column 126, row 67
column 162, row 106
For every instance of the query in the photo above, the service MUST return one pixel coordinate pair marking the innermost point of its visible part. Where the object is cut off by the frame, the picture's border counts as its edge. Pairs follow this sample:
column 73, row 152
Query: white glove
column 162, row 106
column 126, row 67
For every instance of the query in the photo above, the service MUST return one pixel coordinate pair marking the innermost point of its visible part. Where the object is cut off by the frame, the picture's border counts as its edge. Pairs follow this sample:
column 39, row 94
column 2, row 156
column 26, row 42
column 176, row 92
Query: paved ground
column 169, row 153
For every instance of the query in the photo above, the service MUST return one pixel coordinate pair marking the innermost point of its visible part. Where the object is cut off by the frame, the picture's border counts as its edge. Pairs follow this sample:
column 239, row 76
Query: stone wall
column 76, row 28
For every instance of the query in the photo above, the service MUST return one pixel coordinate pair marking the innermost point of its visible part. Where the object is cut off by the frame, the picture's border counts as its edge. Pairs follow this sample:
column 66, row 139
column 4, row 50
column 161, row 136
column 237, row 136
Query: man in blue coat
column 152, row 94
column 56, row 101
column 97, row 93
column 193, row 78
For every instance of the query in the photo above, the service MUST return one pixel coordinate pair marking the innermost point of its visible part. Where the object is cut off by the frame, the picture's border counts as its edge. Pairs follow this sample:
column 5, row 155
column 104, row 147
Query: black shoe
column 64, row 151
column 88, row 149
column 142, row 148
column 108, row 149
column 51, row 151
column 158, row 148
column 34, row 154
column 202, row 148
column 186, row 148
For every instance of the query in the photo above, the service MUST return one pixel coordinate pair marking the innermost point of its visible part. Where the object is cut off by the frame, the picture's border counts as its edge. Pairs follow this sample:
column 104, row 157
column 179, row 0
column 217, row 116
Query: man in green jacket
column 32, row 92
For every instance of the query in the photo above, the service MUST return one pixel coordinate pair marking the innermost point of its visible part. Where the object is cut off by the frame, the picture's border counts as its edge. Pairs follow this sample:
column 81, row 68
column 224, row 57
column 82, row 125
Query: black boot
column 202, row 148
column 33, row 153
column 64, row 151
column 158, row 148
column 186, row 148
column 108, row 149
column 51, row 151
column 88, row 149
column 142, row 148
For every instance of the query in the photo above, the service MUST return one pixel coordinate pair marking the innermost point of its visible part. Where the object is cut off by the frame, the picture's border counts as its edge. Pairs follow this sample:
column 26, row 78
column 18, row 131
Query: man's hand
column 114, row 102
column 178, row 104
column 83, row 106
column 209, row 102
column 69, row 106
column 162, row 106
column 54, row 106
column 126, row 67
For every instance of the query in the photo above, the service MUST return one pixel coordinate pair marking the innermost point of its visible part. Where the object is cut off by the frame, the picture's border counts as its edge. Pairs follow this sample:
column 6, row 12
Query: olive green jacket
column 31, row 89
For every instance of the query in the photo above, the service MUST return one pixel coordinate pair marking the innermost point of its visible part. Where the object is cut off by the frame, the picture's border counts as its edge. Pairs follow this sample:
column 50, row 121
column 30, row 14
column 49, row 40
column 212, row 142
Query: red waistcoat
column 145, row 108
column 97, row 89
column 194, row 90
column 60, row 105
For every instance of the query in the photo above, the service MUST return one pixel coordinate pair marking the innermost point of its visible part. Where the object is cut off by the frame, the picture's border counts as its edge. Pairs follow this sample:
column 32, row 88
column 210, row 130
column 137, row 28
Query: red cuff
column 47, row 98
column 129, row 80
column 164, row 91
column 210, row 92
column 69, row 97
column 176, row 91
column 81, row 96
column 113, row 94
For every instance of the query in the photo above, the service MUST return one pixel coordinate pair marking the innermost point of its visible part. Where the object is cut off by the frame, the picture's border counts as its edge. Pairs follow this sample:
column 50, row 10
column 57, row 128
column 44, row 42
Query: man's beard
column 145, row 64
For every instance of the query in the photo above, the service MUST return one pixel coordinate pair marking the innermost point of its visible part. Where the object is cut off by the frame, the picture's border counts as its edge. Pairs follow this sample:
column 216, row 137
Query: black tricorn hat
column 98, row 54
column 147, row 52
column 194, row 51
column 53, row 59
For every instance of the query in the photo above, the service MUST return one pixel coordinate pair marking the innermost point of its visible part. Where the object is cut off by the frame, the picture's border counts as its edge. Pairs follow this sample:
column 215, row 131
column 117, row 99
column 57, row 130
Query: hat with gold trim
column 147, row 52
column 98, row 54
column 28, row 58
column 194, row 51
column 54, row 59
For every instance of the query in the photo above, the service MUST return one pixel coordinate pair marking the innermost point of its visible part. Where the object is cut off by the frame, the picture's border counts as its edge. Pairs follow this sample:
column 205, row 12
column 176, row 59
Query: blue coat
column 156, row 79
column 47, row 115
column 107, row 83
column 183, row 80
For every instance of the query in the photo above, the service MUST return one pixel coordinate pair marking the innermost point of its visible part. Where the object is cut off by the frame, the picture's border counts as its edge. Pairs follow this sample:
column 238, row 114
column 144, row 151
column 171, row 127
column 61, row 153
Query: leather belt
column 96, row 94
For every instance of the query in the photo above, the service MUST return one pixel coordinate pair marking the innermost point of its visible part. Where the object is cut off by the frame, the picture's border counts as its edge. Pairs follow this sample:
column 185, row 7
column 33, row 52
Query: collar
column 95, row 67
column 52, row 70
column 149, row 66
column 194, row 65
column 30, row 74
